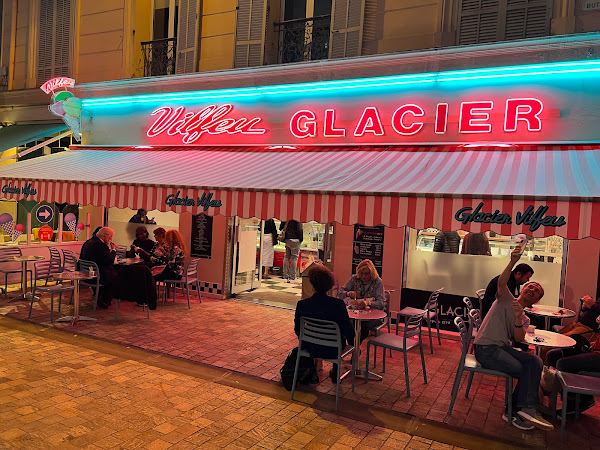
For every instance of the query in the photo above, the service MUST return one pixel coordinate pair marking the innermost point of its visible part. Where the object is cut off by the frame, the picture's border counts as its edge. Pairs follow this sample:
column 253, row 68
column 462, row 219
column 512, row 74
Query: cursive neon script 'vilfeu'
column 192, row 125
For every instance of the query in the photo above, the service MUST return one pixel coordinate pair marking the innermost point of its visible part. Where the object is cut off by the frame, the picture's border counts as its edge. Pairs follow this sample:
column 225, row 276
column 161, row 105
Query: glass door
column 246, row 247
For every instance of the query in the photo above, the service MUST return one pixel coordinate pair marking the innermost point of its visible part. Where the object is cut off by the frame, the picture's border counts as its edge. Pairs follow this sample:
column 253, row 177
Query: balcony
column 159, row 57
column 304, row 39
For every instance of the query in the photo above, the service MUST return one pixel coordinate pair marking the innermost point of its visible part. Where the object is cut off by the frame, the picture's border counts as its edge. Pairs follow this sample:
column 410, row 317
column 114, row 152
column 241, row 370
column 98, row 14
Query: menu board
column 201, row 245
column 368, row 244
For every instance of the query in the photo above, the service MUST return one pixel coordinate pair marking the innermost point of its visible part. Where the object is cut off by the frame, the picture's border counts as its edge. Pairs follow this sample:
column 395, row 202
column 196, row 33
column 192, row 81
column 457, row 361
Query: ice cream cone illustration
column 19, row 229
column 71, row 221
column 6, row 222
column 78, row 229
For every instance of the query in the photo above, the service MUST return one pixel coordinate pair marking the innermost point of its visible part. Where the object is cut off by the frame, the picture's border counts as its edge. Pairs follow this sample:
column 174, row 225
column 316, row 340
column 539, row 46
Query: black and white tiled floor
column 276, row 283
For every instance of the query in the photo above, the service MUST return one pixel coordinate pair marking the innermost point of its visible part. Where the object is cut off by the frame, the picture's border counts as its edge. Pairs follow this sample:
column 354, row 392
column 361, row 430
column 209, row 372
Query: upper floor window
column 159, row 53
column 483, row 21
column 54, row 39
column 305, row 30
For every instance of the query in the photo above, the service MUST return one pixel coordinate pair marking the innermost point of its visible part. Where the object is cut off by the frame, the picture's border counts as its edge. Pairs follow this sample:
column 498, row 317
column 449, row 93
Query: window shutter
column 346, row 28
column 527, row 19
column 54, row 39
column 250, row 33
column 187, row 36
column 370, row 29
column 478, row 22
column 45, row 41
column 62, row 36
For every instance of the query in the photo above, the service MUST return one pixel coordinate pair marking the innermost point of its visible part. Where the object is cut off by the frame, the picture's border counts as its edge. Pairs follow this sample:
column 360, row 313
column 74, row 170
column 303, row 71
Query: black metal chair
column 69, row 260
column 190, row 278
column 94, row 283
column 54, row 256
column 412, row 329
column 469, row 363
column 325, row 333
column 45, row 270
column 12, row 252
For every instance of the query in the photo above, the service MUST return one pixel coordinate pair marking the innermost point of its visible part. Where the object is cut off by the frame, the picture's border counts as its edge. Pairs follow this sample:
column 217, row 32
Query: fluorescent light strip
column 362, row 83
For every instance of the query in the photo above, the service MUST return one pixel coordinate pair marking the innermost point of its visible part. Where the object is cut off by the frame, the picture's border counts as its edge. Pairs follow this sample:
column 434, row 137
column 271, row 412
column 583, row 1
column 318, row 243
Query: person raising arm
column 520, row 317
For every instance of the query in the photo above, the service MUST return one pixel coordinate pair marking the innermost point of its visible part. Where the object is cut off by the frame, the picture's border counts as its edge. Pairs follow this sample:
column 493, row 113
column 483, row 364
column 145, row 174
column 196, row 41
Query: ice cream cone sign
column 19, row 229
column 71, row 221
column 7, row 224
column 78, row 229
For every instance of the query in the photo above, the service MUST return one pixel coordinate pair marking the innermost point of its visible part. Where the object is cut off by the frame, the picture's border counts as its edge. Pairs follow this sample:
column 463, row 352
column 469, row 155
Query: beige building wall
column 22, row 40
column 217, row 35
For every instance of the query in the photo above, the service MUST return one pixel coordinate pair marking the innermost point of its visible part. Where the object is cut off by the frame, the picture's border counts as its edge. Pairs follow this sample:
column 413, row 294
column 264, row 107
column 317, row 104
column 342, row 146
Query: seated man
column 142, row 245
column 584, row 330
column 101, row 250
column 504, row 322
column 322, row 306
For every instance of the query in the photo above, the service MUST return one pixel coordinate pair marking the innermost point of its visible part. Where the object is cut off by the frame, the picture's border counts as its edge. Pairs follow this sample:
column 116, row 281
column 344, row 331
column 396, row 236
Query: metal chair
column 11, row 252
column 325, row 333
column 54, row 256
column 475, row 323
column 412, row 328
column 480, row 294
column 190, row 278
column 45, row 269
column 577, row 384
column 430, row 313
column 469, row 363
column 386, row 322
column 94, row 283
column 69, row 260
column 468, row 303
column 121, row 251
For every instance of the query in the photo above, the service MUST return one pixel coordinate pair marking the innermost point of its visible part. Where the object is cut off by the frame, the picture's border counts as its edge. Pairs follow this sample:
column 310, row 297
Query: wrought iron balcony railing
column 159, row 56
column 304, row 39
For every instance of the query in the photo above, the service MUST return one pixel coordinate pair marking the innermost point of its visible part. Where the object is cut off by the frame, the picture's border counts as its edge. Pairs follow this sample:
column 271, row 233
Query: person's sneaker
column 519, row 423
column 535, row 418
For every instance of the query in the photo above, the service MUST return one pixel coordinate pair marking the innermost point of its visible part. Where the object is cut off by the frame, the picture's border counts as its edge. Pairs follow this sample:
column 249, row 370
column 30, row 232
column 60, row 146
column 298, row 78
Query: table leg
column 547, row 323
column 360, row 372
column 23, row 295
column 75, row 317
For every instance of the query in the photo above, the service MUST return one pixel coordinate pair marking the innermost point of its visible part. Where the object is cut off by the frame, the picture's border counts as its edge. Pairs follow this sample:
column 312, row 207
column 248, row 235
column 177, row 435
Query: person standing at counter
column 141, row 216
column 446, row 241
column 366, row 284
column 293, row 235
column 268, row 251
column 476, row 244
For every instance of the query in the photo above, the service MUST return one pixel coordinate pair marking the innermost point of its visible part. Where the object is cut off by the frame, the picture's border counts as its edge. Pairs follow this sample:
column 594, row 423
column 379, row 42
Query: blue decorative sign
column 44, row 214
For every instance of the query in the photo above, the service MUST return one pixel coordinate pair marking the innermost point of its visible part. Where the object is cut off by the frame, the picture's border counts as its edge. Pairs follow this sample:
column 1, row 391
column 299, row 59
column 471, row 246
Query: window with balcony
column 483, row 21
column 305, row 30
column 54, row 39
column 159, row 53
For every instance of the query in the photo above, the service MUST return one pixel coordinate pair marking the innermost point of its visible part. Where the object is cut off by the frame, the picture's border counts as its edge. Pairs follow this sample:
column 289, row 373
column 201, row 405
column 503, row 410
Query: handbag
column 281, row 236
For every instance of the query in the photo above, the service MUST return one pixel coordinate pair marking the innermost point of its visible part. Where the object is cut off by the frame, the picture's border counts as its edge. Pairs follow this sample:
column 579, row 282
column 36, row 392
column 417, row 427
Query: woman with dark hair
column 142, row 245
column 322, row 306
column 476, row 244
column 172, row 255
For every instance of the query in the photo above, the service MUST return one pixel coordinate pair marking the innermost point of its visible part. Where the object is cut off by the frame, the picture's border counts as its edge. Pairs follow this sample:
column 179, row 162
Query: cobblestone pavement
column 61, row 395
column 255, row 339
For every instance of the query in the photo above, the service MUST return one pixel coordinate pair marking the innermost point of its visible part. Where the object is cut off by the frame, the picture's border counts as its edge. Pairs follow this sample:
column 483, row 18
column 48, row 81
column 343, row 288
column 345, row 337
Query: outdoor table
column 360, row 315
column 129, row 261
column 23, row 260
column 136, row 282
column 549, row 311
column 75, row 277
column 548, row 339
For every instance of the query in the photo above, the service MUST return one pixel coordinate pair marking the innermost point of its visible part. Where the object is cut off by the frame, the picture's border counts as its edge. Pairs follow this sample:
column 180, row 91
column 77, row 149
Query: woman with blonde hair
column 171, row 254
column 366, row 284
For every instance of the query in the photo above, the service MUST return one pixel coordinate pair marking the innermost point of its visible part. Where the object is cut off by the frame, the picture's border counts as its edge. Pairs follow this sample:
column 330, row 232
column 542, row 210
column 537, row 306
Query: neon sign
column 55, row 83
column 409, row 119
column 192, row 125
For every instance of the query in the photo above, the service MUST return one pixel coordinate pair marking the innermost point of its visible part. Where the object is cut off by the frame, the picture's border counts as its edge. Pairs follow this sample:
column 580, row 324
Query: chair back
column 45, row 269
column 121, row 251
column 9, row 252
column 321, row 332
column 412, row 327
column 465, row 337
column 69, row 260
column 85, row 266
column 192, row 268
column 55, row 254
column 386, row 305
column 432, row 303
column 475, row 319
column 468, row 303
column 480, row 293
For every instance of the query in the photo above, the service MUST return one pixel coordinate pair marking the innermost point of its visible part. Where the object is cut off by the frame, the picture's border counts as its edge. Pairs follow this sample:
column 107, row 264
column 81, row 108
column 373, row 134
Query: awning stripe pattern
column 391, row 187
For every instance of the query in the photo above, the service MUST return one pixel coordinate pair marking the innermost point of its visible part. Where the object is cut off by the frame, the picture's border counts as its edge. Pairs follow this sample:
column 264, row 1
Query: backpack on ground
column 307, row 371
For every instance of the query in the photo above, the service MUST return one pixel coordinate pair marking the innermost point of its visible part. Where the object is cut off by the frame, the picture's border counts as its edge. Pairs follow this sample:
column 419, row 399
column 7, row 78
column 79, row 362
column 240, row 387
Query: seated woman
column 366, row 284
column 322, row 306
column 159, row 246
column 172, row 255
column 142, row 245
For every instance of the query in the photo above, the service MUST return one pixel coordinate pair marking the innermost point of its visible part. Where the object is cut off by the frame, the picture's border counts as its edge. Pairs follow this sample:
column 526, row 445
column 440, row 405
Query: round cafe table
column 543, row 338
column 23, row 260
column 550, row 311
column 75, row 277
column 359, row 316
column 129, row 261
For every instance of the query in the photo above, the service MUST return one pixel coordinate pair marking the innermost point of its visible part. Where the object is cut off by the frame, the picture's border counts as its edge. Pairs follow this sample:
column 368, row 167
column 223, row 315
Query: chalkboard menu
column 201, row 246
column 368, row 244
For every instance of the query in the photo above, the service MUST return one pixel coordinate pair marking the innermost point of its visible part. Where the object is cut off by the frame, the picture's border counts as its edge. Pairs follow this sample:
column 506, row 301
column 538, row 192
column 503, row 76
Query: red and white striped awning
column 419, row 187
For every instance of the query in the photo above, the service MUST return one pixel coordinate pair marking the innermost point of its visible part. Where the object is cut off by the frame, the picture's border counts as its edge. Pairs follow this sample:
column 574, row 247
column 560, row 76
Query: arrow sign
column 44, row 214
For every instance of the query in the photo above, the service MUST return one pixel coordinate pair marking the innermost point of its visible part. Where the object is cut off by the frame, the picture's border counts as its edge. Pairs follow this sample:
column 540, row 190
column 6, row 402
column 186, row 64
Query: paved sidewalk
column 60, row 394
